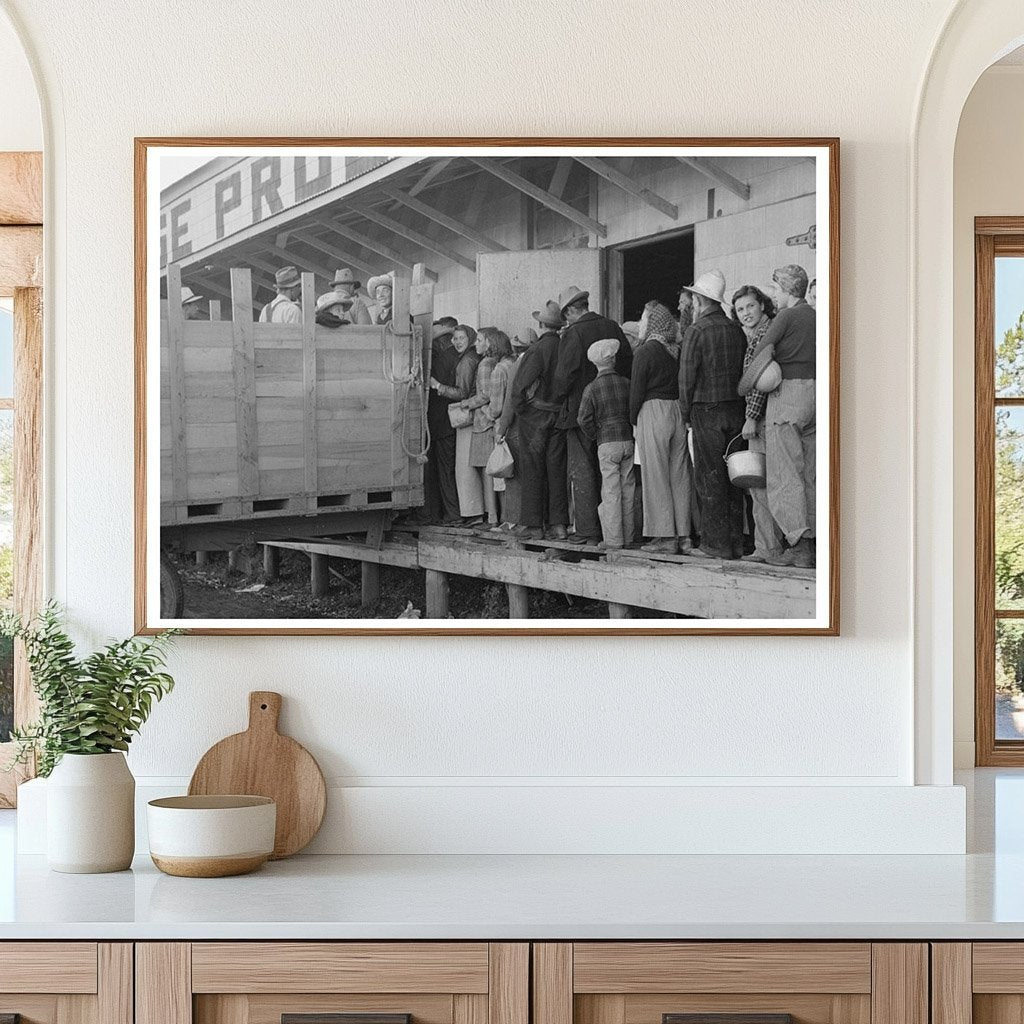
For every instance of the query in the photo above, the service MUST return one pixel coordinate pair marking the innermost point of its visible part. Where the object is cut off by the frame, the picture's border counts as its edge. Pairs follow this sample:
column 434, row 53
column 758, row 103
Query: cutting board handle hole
column 263, row 707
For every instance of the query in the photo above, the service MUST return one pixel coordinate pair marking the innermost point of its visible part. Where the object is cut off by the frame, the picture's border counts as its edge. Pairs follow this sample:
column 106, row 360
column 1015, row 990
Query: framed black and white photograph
column 452, row 386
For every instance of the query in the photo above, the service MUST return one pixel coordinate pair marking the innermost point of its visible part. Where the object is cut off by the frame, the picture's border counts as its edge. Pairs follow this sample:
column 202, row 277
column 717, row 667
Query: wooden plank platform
column 392, row 552
column 625, row 579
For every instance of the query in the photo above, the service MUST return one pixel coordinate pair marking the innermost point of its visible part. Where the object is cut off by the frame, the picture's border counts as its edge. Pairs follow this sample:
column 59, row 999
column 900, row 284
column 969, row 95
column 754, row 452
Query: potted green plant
column 90, row 708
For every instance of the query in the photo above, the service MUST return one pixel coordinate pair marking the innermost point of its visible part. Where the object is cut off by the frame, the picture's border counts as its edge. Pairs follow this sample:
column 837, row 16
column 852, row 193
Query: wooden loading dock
column 624, row 579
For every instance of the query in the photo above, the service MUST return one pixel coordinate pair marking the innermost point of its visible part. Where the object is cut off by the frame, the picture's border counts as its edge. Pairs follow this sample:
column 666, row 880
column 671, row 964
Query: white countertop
column 977, row 896
column 516, row 897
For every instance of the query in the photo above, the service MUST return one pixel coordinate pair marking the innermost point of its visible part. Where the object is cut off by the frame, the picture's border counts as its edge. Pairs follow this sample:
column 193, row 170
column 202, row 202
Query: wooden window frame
column 993, row 237
column 21, row 272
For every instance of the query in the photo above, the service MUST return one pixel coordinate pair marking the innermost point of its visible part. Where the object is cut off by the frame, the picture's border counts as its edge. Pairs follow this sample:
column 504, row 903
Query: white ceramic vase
column 90, row 814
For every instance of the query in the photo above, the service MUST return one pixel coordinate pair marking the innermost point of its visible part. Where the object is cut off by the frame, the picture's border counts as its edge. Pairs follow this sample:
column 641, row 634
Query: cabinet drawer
column 66, row 982
column 332, row 983
column 65, row 967
column 730, row 983
column 340, row 967
column 634, row 967
column 980, row 982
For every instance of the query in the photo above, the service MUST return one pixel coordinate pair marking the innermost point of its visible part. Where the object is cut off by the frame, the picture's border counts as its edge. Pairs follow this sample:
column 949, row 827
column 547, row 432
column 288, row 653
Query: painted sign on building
column 243, row 193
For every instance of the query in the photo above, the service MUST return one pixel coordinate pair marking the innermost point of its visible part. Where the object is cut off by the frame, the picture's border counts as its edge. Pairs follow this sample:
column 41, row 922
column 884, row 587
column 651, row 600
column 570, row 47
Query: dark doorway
column 656, row 269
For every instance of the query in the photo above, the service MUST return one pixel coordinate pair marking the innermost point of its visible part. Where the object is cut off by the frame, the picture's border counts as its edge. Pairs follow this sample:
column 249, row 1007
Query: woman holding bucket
column 754, row 311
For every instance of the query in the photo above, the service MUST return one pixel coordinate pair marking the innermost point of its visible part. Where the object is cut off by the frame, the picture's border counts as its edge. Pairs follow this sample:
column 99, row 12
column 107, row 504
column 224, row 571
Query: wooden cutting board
column 262, row 762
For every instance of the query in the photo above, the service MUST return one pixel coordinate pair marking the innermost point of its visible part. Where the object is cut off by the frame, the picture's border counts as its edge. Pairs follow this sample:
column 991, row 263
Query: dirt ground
column 215, row 592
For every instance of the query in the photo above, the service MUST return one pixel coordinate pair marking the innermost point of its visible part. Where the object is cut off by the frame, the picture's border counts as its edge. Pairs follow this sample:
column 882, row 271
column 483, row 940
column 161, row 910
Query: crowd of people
column 618, row 433
column 622, row 440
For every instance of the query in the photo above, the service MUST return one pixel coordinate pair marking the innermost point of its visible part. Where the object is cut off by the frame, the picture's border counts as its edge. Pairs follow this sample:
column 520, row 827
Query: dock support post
column 371, row 583
column 437, row 594
column 518, row 601
column 271, row 562
column 618, row 611
column 202, row 558
column 318, row 575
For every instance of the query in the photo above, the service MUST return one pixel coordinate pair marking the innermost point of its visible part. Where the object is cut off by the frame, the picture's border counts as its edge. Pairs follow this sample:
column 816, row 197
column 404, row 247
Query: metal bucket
column 747, row 469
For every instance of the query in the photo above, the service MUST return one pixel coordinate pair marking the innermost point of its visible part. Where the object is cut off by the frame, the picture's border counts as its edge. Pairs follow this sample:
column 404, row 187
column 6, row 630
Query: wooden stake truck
column 274, row 431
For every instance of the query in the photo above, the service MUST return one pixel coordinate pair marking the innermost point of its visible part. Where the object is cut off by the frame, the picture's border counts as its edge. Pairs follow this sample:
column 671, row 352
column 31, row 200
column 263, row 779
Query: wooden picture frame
column 276, row 235
column 994, row 237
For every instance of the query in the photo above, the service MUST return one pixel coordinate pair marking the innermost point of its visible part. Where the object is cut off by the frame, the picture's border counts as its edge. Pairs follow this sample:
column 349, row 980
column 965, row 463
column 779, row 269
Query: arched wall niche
column 975, row 35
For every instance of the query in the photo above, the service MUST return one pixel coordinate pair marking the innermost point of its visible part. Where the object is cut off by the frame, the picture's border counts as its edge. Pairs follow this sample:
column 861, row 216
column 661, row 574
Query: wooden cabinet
column 66, row 982
column 747, row 982
column 978, row 983
column 494, row 983
column 332, row 983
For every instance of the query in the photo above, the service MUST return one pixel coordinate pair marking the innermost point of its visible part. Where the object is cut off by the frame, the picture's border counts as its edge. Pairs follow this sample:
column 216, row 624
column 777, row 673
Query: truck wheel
column 172, row 593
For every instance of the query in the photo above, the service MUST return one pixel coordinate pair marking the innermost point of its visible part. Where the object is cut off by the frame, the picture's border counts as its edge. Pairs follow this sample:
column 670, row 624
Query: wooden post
column 437, row 594
column 618, row 611
column 243, row 366
column 176, row 376
column 214, row 309
column 234, row 558
column 271, row 561
column 518, row 601
column 310, row 395
column 319, row 577
column 202, row 558
column 371, row 583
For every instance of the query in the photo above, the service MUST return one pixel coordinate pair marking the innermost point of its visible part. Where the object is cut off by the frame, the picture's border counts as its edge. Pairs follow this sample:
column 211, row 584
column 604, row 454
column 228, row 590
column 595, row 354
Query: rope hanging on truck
column 408, row 381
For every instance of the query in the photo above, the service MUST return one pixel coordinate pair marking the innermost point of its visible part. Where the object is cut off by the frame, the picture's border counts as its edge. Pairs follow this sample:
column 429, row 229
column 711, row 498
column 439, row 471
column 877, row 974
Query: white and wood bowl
column 211, row 836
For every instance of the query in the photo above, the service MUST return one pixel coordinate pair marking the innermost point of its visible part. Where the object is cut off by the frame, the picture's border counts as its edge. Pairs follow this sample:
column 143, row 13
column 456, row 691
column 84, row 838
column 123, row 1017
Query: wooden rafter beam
column 542, row 196
column 561, row 176
column 628, row 185
column 433, row 171
column 373, row 244
column 201, row 286
column 421, row 240
column 346, row 258
column 300, row 261
column 718, row 174
column 485, row 242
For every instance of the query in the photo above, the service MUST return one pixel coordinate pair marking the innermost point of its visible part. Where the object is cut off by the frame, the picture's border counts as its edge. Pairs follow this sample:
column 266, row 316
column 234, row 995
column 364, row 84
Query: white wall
column 441, row 715
column 21, row 126
column 987, row 182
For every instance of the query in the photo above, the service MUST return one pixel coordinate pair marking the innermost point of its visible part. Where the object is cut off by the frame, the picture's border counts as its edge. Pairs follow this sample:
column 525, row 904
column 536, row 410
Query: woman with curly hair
column 754, row 312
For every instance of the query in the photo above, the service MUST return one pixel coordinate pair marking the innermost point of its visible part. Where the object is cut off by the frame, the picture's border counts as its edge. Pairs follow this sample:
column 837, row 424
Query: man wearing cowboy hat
column 191, row 308
column 542, row 469
column 284, row 309
column 345, row 285
column 381, row 289
column 710, row 367
column 332, row 309
column 573, row 373
column 441, row 491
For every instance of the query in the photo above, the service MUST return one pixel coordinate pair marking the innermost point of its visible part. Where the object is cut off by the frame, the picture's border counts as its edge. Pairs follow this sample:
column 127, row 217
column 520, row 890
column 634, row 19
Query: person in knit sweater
column 661, row 434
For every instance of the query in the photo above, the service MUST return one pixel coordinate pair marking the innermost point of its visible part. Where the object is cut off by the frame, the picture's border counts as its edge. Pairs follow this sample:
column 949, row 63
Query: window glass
column 1009, row 524
column 1009, row 320
column 1009, row 679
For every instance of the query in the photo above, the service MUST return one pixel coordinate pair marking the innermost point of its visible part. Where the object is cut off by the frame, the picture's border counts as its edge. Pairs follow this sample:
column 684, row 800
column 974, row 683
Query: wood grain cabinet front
column 66, row 982
column 978, row 983
column 332, row 983
column 730, row 983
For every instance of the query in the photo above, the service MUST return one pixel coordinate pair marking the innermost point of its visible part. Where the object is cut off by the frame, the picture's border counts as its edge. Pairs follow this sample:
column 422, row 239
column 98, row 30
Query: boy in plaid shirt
column 604, row 418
